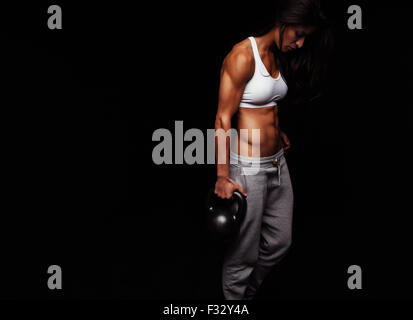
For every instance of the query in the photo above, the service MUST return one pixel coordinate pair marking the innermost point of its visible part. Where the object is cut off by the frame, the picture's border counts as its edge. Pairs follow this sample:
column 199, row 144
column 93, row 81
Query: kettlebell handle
column 240, row 200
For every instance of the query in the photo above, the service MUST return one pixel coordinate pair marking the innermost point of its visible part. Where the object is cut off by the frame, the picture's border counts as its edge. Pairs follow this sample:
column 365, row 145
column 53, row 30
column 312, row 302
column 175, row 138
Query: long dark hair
column 303, row 69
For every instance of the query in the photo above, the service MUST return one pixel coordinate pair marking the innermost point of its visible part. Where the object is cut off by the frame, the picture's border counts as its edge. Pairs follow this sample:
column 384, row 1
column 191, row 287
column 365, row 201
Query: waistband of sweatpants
column 236, row 158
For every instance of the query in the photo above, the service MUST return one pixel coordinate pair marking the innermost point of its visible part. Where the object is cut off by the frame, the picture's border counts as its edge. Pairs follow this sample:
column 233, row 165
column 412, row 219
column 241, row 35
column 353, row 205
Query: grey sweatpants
column 265, row 233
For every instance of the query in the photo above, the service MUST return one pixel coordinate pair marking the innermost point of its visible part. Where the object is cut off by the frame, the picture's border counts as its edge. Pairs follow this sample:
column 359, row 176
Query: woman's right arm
column 237, row 69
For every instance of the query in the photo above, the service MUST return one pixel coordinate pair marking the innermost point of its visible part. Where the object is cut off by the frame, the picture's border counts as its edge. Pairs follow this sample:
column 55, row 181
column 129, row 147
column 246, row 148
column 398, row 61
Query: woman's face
column 294, row 37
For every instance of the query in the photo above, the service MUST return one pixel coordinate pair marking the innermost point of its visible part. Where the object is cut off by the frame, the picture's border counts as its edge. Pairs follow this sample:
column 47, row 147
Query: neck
column 265, row 41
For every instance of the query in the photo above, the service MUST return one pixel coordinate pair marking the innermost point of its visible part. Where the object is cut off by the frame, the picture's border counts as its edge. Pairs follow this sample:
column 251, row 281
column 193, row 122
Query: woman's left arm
column 285, row 140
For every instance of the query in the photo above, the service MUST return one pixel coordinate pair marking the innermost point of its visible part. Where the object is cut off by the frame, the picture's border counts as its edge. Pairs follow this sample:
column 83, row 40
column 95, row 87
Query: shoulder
column 239, row 61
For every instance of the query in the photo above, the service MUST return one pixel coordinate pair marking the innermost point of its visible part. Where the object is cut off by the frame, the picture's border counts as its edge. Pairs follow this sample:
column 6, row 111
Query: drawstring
column 279, row 173
column 277, row 162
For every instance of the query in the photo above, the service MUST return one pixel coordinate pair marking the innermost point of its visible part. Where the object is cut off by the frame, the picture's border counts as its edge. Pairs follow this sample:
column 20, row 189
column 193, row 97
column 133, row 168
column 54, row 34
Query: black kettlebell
column 224, row 216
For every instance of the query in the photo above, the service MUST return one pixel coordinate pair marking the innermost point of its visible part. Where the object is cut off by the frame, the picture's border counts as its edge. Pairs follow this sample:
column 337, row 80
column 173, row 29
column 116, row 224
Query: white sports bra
column 262, row 90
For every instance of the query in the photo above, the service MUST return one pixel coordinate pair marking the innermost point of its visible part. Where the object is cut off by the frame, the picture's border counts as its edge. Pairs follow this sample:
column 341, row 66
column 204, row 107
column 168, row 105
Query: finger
column 218, row 191
column 238, row 187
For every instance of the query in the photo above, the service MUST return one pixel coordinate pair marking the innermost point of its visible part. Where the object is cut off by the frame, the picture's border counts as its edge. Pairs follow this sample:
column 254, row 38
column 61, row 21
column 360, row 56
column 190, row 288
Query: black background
column 81, row 190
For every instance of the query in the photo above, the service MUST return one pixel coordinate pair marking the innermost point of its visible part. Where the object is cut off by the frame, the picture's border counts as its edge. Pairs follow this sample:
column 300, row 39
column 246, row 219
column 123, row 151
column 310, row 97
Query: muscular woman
column 255, row 76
